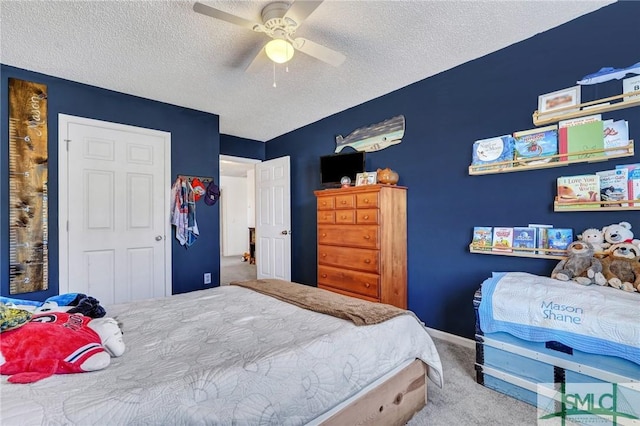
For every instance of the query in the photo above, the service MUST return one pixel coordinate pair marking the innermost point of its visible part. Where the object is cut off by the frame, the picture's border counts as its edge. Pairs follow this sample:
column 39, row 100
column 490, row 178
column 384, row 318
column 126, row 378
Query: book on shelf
column 633, row 182
column 542, row 241
column 616, row 134
column 573, row 189
column 614, row 186
column 524, row 237
column 493, row 150
column 536, row 146
column 559, row 238
column 502, row 239
column 482, row 237
column 585, row 137
column 563, row 134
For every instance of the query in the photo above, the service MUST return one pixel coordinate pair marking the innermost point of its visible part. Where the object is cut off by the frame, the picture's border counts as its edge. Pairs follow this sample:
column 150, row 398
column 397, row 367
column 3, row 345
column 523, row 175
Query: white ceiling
column 163, row 50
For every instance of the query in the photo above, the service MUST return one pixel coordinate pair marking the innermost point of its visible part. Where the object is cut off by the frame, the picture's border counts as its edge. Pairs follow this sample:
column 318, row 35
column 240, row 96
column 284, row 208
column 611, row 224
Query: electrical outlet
column 207, row 278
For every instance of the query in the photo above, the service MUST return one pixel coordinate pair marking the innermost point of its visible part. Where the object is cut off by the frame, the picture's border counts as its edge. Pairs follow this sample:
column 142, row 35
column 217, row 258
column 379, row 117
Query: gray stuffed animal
column 580, row 265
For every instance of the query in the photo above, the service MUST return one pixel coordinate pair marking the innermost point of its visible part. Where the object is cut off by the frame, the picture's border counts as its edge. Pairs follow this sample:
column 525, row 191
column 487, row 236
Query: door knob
column 284, row 232
column 158, row 237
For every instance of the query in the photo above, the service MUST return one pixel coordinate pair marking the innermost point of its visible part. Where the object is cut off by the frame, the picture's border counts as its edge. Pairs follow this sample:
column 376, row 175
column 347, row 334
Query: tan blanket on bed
column 360, row 312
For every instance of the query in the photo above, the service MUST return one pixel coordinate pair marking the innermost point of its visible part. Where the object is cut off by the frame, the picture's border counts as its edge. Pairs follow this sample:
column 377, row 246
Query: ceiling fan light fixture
column 279, row 50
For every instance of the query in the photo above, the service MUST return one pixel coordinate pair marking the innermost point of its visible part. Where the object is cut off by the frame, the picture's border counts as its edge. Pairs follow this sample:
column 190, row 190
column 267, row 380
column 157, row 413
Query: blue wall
column 445, row 114
column 195, row 142
column 242, row 147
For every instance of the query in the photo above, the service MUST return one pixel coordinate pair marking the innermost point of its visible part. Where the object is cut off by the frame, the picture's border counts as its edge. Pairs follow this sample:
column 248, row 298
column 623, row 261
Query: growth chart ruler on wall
column 28, row 198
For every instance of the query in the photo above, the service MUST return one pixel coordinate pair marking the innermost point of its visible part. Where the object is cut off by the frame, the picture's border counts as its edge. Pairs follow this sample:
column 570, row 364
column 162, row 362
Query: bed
column 533, row 331
column 233, row 355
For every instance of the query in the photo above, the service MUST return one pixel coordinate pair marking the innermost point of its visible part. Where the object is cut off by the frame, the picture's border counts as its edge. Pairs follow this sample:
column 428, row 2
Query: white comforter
column 222, row 356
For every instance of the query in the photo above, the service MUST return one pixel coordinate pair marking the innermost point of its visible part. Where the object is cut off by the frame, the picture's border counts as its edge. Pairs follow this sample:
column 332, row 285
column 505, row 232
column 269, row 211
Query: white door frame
column 63, row 200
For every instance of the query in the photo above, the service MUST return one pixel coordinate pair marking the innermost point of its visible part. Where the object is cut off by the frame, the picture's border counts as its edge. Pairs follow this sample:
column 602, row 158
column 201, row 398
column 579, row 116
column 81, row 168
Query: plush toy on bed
column 55, row 342
column 596, row 238
column 580, row 265
column 621, row 268
column 618, row 233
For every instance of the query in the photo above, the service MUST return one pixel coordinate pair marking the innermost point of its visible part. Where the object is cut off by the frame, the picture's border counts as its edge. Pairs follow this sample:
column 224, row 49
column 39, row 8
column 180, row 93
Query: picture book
column 493, row 150
column 482, row 237
column 502, row 239
column 616, row 134
column 541, row 236
column 614, row 186
column 573, row 189
column 536, row 146
column 559, row 238
column 563, row 125
column 634, row 186
column 524, row 237
column 585, row 137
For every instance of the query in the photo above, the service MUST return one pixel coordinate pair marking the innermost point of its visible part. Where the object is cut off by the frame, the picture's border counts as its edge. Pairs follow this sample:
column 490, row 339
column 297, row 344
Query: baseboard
column 452, row 338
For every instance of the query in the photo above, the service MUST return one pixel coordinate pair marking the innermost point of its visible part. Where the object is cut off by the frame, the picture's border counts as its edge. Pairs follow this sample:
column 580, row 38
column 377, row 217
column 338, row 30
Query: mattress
column 224, row 356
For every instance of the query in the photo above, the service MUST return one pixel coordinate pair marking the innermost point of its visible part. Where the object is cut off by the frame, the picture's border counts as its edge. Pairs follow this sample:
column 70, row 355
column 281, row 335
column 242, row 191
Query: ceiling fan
column 280, row 20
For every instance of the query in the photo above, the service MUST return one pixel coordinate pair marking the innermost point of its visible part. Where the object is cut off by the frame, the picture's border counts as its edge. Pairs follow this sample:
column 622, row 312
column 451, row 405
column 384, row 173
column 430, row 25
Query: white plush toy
column 618, row 233
column 596, row 238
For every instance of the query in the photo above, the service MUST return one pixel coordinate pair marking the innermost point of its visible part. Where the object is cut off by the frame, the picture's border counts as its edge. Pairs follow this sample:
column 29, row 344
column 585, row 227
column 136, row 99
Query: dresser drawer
column 345, row 216
column 352, row 281
column 349, row 293
column 367, row 199
column 365, row 236
column 345, row 201
column 326, row 203
column 356, row 258
column 326, row 216
column 364, row 216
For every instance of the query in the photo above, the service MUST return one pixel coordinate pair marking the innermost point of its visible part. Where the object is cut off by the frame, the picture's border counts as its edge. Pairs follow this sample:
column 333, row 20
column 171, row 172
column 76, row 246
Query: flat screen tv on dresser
column 334, row 167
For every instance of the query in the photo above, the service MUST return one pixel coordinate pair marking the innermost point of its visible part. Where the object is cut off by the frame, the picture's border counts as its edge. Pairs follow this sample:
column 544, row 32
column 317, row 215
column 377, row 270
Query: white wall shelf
column 553, row 254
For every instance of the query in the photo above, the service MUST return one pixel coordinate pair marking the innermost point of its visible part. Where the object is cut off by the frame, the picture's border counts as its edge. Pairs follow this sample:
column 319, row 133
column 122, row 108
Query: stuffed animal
column 618, row 233
column 596, row 238
column 621, row 268
column 58, row 343
column 580, row 265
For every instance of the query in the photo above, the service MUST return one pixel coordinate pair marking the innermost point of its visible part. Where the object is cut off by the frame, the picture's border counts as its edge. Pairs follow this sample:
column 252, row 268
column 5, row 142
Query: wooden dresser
column 362, row 242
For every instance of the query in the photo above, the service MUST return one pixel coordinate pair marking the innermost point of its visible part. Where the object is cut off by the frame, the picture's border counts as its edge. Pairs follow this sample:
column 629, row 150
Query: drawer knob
column 324, row 203
column 343, row 216
column 367, row 285
column 367, row 237
column 366, row 201
column 366, row 216
column 367, row 261
column 324, row 275
column 324, row 254
column 324, row 235
column 344, row 201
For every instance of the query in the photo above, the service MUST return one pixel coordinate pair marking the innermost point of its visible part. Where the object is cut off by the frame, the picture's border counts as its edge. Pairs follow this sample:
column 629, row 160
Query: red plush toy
column 51, row 343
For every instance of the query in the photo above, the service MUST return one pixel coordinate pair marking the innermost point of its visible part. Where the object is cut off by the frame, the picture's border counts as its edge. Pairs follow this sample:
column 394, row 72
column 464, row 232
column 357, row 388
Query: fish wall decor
column 608, row 73
column 374, row 137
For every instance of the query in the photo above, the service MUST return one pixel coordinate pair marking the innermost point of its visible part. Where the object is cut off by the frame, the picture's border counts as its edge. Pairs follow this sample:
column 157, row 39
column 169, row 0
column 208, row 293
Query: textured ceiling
column 163, row 50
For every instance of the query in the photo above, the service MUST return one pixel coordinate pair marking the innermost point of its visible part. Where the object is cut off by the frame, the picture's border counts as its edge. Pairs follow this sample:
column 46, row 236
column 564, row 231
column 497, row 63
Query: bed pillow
column 11, row 318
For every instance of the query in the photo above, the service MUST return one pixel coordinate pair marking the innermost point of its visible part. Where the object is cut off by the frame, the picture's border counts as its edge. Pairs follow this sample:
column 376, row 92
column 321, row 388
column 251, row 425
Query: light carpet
column 462, row 401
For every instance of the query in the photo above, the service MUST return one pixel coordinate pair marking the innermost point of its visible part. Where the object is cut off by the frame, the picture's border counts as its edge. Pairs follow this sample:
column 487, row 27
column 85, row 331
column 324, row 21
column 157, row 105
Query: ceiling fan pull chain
column 274, row 75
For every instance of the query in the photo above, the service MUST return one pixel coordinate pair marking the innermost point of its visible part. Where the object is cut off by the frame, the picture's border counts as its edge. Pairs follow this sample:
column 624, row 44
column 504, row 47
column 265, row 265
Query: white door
column 114, row 210
column 273, row 219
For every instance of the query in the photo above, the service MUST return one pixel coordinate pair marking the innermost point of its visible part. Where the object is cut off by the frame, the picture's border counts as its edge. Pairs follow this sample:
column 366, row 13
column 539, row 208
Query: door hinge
column 67, row 141
column 67, row 226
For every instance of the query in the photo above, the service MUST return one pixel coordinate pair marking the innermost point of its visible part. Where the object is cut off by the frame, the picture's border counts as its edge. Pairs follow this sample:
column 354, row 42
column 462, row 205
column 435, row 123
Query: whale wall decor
column 374, row 137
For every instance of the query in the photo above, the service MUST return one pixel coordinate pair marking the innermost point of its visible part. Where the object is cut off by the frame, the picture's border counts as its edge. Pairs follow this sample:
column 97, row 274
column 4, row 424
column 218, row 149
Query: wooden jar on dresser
column 362, row 242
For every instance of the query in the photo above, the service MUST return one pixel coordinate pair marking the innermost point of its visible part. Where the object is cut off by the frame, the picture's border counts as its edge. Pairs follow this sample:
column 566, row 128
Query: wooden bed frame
column 394, row 401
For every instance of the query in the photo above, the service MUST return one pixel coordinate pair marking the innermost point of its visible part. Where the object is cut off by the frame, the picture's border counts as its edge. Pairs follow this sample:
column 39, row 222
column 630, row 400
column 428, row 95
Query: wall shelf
column 515, row 166
column 594, row 206
column 552, row 254
column 611, row 103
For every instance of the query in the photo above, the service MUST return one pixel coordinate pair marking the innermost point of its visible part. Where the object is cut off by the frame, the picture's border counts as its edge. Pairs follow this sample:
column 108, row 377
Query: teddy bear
column 618, row 233
column 595, row 237
column 58, row 342
column 621, row 268
column 580, row 265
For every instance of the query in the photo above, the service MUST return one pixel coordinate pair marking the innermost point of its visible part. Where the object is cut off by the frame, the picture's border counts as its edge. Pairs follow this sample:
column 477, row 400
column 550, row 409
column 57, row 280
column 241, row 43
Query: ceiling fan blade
column 258, row 62
column 301, row 9
column 224, row 16
column 319, row 51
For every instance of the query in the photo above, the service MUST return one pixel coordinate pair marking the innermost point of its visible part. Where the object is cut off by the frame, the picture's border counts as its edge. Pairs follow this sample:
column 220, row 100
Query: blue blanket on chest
column 592, row 319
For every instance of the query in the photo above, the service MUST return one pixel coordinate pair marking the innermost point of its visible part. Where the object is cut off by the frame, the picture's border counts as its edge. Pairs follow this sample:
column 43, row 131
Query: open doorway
column 237, row 216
